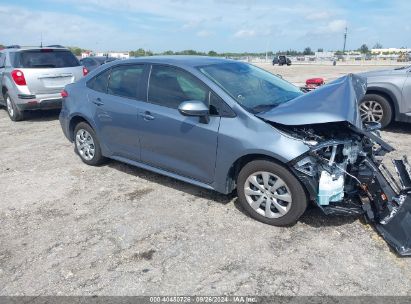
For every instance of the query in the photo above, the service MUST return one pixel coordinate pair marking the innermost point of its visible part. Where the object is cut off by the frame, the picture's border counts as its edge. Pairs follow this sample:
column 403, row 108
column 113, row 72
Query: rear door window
column 45, row 58
column 125, row 80
column 100, row 82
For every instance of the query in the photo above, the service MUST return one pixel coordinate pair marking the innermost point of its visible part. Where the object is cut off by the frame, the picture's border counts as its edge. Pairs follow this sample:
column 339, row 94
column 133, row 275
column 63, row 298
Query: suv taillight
column 18, row 77
column 64, row 94
column 85, row 71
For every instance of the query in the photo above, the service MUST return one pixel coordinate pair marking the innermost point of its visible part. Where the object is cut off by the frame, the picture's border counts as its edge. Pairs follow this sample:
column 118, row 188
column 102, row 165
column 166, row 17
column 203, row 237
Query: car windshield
column 253, row 88
column 45, row 58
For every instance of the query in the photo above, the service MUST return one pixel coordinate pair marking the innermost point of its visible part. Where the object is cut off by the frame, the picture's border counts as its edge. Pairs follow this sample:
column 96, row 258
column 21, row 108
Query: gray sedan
column 226, row 125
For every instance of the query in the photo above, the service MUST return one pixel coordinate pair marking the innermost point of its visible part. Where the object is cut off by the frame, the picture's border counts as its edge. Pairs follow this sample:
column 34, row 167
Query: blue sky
column 220, row 25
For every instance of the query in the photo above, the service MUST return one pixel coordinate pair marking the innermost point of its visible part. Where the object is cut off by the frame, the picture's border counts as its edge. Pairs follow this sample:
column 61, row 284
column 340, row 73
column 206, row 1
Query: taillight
column 18, row 77
column 64, row 94
column 85, row 71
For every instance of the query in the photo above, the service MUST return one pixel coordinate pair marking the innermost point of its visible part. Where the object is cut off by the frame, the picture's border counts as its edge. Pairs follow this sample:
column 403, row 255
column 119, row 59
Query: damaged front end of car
column 344, row 175
column 343, row 170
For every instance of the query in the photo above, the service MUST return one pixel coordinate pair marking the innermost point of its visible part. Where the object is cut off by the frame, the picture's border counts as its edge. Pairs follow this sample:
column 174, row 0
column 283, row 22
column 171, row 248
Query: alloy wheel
column 371, row 111
column 85, row 144
column 10, row 108
column 268, row 194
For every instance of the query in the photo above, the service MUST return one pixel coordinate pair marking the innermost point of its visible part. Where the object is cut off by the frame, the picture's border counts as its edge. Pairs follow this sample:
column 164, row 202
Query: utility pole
column 345, row 40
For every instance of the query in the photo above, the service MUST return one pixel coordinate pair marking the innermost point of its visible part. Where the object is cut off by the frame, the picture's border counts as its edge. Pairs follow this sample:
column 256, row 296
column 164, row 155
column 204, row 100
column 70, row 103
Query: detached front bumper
column 397, row 232
column 387, row 204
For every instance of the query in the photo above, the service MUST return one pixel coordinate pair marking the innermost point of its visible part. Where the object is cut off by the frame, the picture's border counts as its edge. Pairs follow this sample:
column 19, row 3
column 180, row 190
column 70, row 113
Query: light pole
column 345, row 40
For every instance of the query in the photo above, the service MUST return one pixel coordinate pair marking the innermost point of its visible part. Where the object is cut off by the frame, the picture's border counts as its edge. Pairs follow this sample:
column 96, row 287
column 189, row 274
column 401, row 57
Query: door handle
column 147, row 115
column 98, row 101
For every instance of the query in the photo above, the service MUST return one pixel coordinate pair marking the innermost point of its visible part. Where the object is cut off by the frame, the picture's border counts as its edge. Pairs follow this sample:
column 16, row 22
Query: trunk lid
column 46, row 81
column 336, row 101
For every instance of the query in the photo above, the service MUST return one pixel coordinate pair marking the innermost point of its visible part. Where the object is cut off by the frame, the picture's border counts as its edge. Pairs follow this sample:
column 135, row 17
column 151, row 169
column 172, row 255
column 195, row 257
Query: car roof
column 180, row 60
column 32, row 48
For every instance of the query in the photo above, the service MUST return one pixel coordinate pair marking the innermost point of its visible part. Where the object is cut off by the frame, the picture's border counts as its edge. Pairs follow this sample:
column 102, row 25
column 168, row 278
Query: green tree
column 212, row 53
column 168, row 53
column 364, row 49
column 308, row 51
column 320, row 50
column 138, row 53
column 76, row 50
column 377, row 46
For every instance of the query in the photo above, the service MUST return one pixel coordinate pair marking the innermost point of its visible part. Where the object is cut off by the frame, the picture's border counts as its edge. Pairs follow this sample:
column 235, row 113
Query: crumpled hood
column 336, row 101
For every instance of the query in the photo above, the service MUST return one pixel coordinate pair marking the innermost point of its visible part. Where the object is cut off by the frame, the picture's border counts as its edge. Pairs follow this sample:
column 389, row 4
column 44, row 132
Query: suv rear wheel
column 14, row 113
column 270, row 193
column 87, row 145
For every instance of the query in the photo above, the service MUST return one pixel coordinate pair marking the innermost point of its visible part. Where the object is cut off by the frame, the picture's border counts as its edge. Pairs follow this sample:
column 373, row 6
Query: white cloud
column 204, row 33
column 336, row 26
column 244, row 33
column 178, row 24
column 321, row 15
column 56, row 28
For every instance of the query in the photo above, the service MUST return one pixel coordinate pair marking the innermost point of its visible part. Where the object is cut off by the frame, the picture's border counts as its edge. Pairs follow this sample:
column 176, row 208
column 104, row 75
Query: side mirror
column 194, row 108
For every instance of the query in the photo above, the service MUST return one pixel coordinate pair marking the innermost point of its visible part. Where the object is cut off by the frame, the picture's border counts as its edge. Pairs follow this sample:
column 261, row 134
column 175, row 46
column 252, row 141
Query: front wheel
column 375, row 108
column 87, row 145
column 270, row 193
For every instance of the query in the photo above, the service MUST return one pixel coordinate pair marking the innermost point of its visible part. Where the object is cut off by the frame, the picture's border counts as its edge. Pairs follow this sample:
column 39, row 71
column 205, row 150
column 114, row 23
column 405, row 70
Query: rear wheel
column 87, row 145
column 376, row 108
column 270, row 193
column 14, row 113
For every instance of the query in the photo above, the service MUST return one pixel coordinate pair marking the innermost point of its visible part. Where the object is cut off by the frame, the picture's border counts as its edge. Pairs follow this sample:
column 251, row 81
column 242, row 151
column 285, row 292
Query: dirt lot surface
column 70, row 229
column 299, row 73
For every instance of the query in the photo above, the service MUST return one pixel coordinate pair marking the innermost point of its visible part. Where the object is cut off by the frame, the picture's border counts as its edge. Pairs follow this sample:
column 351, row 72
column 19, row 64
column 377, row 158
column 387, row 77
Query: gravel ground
column 71, row 229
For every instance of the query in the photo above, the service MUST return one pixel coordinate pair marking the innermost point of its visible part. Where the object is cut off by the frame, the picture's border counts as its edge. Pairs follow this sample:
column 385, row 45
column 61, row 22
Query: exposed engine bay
column 343, row 174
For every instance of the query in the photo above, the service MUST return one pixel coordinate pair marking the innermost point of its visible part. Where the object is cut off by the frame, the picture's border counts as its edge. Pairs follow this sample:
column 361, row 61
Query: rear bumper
column 27, row 102
column 404, row 117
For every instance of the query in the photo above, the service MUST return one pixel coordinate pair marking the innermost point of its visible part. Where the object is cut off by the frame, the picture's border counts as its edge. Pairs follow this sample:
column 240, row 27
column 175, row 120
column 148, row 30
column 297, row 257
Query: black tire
column 383, row 103
column 298, row 195
column 97, row 158
column 14, row 113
